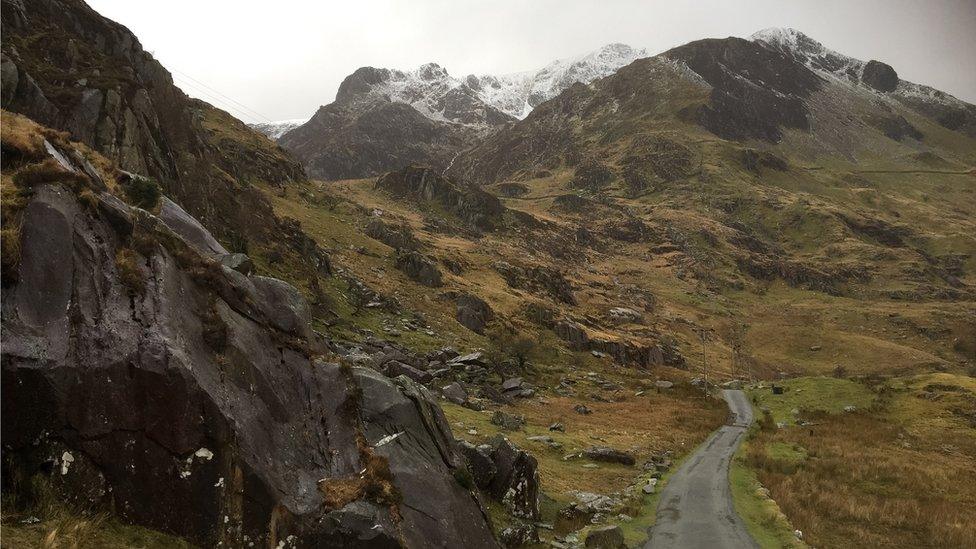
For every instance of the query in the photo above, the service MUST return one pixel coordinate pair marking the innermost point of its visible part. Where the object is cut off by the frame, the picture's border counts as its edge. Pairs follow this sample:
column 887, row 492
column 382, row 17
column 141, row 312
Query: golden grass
column 902, row 475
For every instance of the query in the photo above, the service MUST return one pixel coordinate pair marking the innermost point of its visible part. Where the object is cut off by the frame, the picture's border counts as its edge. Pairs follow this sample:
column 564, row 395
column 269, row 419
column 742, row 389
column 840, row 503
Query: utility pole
column 704, row 336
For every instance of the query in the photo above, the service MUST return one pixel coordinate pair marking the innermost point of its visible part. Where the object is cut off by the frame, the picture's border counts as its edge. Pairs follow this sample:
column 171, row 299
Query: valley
column 488, row 310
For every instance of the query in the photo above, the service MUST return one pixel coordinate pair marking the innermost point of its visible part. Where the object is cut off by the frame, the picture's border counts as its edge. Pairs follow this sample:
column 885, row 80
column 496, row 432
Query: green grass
column 810, row 394
column 763, row 518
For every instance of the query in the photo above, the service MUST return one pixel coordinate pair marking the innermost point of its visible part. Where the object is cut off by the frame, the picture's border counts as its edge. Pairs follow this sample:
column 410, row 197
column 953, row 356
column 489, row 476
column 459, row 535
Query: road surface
column 696, row 505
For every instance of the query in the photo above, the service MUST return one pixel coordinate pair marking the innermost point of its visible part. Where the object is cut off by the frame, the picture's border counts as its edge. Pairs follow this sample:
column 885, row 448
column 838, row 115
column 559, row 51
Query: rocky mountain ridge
column 384, row 119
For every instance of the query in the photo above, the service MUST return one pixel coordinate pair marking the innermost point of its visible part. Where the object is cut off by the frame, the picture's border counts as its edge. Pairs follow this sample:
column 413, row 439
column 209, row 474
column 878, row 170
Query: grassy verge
column 898, row 473
column 762, row 516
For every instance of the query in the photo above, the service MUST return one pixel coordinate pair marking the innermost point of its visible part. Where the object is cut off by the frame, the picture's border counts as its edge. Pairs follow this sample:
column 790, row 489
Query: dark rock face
column 419, row 268
column 473, row 206
column 756, row 90
column 880, row 76
column 480, row 465
column 473, row 313
column 194, row 406
column 574, row 334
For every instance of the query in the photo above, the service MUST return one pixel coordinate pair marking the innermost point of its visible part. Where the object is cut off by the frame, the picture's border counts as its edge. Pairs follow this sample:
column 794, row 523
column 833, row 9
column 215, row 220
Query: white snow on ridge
column 276, row 129
column 440, row 96
column 518, row 93
column 837, row 66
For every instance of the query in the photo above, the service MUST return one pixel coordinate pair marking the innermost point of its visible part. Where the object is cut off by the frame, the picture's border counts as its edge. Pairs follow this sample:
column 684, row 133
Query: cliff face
column 141, row 375
column 69, row 68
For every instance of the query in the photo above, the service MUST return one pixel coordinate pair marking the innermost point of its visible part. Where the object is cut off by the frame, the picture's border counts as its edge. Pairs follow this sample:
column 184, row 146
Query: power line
column 215, row 100
column 241, row 106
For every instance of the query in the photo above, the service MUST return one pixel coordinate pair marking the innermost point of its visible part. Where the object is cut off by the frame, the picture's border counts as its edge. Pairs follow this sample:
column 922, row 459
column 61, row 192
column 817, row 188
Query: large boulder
column 880, row 76
column 188, row 399
column 473, row 312
column 419, row 268
column 516, row 481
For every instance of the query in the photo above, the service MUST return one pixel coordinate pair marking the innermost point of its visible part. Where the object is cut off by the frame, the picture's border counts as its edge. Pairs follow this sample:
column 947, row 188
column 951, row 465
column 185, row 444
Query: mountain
column 384, row 119
column 276, row 129
column 880, row 77
column 745, row 164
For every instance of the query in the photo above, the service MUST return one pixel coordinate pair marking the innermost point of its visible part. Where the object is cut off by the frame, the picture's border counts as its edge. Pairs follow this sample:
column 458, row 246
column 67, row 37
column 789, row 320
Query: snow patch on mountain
column 276, row 129
column 837, row 66
column 518, row 93
column 486, row 100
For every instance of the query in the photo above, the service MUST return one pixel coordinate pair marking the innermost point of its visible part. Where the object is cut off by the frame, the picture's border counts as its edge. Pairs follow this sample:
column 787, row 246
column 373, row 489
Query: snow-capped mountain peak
column 484, row 100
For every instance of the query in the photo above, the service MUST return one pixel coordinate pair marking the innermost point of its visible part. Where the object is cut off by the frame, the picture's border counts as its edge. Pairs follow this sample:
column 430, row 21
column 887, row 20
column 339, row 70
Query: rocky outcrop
column 473, row 312
column 142, row 376
column 419, row 268
column 398, row 237
column 537, row 279
column 880, row 76
column 471, row 205
column 756, row 91
column 507, row 474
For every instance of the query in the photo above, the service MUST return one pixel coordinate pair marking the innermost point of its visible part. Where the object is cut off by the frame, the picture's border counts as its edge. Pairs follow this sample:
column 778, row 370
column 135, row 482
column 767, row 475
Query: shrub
column 143, row 192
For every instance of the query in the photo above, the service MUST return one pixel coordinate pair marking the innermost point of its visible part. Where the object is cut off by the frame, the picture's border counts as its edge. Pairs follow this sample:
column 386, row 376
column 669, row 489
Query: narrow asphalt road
column 696, row 505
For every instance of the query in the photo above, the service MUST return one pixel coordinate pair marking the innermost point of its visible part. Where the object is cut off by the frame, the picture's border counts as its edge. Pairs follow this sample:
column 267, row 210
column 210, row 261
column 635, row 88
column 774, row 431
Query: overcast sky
column 283, row 59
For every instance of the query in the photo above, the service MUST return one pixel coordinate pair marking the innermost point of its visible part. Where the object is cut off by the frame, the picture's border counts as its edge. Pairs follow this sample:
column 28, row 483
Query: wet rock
column 189, row 229
column 605, row 537
column 163, row 419
column 608, row 455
